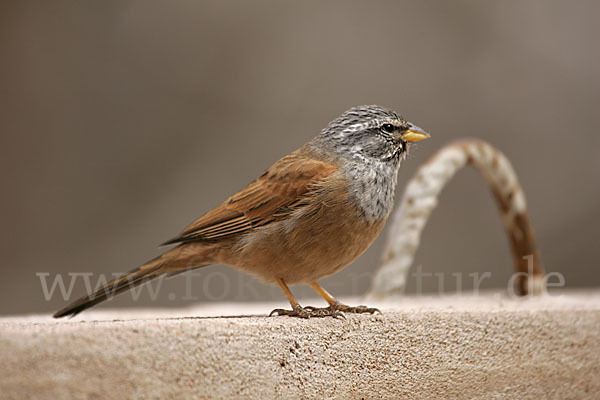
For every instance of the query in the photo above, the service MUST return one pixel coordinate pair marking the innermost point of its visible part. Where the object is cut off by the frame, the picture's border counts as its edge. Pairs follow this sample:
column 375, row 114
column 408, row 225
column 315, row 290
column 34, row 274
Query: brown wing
column 279, row 190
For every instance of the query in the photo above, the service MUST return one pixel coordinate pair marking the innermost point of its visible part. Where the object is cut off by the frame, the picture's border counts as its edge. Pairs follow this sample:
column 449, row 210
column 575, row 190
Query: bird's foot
column 355, row 310
column 308, row 312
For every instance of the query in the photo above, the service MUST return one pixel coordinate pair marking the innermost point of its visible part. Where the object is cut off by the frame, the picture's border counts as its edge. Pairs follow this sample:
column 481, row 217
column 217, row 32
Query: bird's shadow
column 183, row 318
column 218, row 317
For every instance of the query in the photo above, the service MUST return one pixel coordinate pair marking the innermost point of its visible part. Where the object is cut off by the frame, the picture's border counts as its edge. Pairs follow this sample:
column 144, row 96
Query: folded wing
column 280, row 190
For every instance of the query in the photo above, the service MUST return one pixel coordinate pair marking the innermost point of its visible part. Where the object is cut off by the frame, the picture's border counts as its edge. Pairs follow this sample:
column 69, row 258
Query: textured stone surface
column 452, row 347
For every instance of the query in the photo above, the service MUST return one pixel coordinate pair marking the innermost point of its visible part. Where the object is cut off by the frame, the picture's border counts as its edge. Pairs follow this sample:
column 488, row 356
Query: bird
column 309, row 215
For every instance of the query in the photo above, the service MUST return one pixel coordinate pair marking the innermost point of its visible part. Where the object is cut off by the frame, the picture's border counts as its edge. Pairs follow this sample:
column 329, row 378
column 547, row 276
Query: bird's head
column 371, row 133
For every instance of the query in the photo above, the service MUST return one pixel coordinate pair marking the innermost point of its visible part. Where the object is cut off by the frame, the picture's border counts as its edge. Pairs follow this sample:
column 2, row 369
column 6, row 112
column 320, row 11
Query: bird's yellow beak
column 414, row 134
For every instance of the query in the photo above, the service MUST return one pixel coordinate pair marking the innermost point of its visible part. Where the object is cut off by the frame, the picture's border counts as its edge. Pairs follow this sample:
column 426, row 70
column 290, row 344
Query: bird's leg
column 299, row 311
column 335, row 305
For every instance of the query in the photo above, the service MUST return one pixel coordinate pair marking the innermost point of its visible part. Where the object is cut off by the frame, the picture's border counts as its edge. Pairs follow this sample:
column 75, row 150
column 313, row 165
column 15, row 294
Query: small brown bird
column 308, row 216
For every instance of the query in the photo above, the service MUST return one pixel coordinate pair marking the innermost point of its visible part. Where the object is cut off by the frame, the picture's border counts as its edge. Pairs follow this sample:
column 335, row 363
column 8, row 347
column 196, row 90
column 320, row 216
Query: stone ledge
column 451, row 347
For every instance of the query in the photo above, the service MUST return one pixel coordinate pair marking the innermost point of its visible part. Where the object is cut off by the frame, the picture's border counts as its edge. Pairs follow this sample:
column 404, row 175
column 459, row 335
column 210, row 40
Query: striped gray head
column 371, row 133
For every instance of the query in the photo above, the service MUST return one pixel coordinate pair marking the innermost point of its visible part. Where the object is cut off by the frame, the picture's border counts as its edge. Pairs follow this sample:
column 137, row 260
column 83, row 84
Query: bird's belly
column 307, row 247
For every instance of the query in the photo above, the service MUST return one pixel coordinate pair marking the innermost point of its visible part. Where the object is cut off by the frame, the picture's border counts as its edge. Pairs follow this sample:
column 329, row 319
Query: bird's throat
column 372, row 186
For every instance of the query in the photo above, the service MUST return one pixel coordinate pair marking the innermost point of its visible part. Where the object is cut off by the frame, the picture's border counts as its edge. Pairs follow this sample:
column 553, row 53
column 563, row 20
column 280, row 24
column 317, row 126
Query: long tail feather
column 179, row 259
column 132, row 279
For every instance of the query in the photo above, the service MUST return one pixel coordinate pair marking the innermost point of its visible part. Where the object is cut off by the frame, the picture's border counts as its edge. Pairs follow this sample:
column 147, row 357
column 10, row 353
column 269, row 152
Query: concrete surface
column 448, row 347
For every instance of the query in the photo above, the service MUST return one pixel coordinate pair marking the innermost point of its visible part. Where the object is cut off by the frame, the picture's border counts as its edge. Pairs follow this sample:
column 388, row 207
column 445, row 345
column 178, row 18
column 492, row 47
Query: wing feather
column 280, row 190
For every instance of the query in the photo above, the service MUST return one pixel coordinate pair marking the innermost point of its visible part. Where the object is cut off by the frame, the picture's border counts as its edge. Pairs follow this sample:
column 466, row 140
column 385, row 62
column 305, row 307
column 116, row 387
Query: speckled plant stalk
column 420, row 198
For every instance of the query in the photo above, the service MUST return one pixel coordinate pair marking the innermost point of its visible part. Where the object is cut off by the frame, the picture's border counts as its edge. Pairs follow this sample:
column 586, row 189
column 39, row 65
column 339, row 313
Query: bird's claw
column 308, row 312
column 355, row 310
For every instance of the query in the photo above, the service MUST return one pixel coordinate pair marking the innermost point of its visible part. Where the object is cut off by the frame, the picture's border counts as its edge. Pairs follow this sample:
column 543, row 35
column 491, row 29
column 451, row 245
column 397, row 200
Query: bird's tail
column 169, row 263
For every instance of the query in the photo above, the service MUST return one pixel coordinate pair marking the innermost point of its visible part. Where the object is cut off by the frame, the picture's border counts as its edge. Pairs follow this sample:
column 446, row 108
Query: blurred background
column 123, row 121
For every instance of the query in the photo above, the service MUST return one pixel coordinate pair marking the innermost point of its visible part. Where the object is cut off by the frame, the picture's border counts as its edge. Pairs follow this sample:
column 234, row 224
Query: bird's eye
column 389, row 128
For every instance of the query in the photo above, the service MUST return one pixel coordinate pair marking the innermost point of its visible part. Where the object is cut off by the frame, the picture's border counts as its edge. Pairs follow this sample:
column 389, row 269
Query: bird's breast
column 316, row 241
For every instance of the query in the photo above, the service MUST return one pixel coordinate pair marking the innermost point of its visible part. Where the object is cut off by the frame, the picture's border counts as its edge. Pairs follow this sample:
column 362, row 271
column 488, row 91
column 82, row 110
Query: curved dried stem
column 420, row 198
